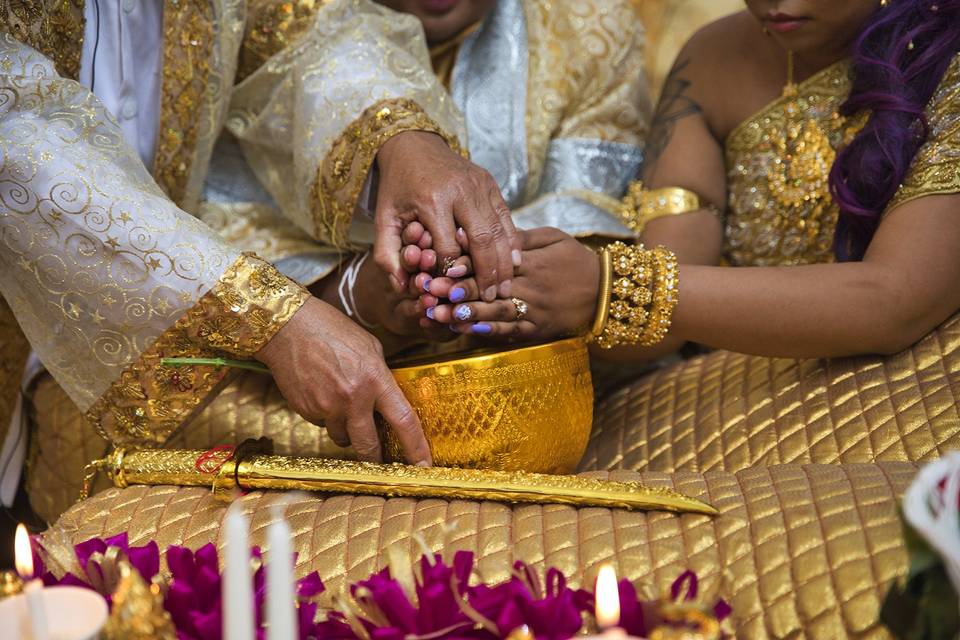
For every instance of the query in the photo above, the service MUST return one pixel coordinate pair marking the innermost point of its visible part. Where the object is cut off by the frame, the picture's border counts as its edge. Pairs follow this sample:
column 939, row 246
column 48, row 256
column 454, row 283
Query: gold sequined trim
column 936, row 167
column 242, row 311
column 345, row 168
column 188, row 40
column 54, row 28
column 273, row 25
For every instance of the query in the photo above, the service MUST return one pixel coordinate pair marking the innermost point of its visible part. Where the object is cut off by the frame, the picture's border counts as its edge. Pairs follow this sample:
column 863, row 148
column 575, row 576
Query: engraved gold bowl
column 527, row 409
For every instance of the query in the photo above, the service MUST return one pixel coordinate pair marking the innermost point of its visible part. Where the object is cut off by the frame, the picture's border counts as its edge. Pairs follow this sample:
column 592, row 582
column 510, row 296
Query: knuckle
column 483, row 238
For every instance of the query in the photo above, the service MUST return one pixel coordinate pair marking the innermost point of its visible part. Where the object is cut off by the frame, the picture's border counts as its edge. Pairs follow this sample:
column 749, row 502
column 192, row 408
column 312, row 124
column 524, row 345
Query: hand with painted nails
column 423, row 180
column 555, row 290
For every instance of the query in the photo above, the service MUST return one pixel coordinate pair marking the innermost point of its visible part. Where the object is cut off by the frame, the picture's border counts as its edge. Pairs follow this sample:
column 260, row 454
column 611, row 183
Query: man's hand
column 422, row 179
column 330, row 370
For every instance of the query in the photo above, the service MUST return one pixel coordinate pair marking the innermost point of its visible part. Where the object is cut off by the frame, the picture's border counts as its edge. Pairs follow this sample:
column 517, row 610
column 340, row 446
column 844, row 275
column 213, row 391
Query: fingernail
column 463, row 312
column 457, row 294
column 517, row 256
column 424, row 463
column 505, row 288
column 430, row 312
column 458, row 271
column 490, row 293
column 426, row 284
column 481, row 327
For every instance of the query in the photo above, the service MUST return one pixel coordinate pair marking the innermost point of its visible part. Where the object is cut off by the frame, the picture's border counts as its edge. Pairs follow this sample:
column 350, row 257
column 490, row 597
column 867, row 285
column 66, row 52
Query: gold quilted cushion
column 798, row 550
column 249, row 407
column 730, row 411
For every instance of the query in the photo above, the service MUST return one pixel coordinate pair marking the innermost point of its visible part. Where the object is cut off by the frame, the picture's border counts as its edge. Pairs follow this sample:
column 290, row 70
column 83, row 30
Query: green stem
column 216, row 362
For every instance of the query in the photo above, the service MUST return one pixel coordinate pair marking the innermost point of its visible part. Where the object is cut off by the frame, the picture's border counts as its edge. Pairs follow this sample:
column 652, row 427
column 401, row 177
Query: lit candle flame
column 608, row 598
column 23, row 558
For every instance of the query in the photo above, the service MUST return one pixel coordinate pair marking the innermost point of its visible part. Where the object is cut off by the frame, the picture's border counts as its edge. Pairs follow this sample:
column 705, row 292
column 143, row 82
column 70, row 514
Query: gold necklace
column 804, row 156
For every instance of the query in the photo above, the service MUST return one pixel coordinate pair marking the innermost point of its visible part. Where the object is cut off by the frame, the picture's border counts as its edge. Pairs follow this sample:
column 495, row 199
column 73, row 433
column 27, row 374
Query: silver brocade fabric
column 489, row 86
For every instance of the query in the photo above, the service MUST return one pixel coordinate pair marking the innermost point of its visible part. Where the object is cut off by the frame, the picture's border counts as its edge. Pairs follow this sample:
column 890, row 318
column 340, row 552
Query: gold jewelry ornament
column 522, row 308
column 447, row 264
column 644, row 293
column 603, row 298
column 641, row 205
column 884, row 3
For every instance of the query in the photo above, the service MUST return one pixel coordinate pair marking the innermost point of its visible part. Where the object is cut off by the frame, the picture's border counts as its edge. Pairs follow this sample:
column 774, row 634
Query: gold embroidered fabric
column 780, row 211
column 271, row 26
column 595, row 91
column 728, row 411
column 305, row 119
column 201, row 39
column 343, row 171
column 14, row 350
column 188, row 29
column 52, row 27
column 798, row 551
column 935, row 169
column 243, row 310
column 97, row 262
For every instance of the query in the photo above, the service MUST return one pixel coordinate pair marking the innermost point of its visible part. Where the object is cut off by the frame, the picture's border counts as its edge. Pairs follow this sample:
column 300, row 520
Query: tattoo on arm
column 674, row 105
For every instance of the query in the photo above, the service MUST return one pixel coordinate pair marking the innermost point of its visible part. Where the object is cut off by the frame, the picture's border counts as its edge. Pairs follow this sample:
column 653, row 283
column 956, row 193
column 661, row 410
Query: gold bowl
column 527, row 409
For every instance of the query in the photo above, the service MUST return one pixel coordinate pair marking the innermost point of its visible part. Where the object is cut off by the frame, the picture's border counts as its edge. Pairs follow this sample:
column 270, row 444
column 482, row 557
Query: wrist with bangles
column 638, row 292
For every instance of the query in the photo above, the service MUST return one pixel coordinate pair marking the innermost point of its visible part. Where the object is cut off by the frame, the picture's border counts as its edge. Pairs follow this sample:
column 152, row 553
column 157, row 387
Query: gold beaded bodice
column 779, row 209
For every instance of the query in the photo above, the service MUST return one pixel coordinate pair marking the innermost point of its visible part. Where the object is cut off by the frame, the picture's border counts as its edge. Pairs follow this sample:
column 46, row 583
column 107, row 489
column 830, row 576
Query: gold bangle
column 641, row 205
column 665, row 297
column 603, row 296
column 643, row 295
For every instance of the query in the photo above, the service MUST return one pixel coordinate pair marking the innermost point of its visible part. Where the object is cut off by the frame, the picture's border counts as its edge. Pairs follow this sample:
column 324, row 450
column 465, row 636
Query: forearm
column 813, row 311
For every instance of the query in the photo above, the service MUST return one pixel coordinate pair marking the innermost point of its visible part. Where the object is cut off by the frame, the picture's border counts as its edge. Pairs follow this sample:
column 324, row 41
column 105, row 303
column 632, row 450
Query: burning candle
column 281, row 615
column 36, row 627
column 238, row 623
column 78, row 614
column 608, row 604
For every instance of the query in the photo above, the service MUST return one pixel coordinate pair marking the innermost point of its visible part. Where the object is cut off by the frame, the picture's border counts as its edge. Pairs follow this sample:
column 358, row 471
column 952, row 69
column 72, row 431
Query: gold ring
column 522, row 308
column 447, row 265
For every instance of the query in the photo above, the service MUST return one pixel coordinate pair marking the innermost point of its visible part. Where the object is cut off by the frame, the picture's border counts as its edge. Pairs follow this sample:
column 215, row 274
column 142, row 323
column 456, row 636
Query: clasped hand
column 557, row 281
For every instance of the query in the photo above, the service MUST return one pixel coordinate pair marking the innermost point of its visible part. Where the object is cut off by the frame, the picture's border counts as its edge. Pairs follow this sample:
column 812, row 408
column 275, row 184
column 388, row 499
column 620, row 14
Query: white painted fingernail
column 517, row 257
column 424, row 463
column 490, row 293
column 458, row 271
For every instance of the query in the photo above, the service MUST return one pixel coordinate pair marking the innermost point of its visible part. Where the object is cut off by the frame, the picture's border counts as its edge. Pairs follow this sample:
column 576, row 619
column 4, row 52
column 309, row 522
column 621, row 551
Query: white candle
column 281, row 615
column 238, row 621
column 33, row 588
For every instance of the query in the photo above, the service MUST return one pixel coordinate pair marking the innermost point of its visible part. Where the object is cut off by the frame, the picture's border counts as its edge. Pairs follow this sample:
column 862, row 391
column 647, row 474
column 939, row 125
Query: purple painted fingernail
column 463, row 312
column 426, row 284
column 481, row 327
column 457, row 294
column 458, row 271
column 430, row 312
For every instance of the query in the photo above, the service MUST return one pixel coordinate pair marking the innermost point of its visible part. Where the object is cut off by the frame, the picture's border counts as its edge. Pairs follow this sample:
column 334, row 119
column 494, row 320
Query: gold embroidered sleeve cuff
column 345, row 168
column 243, row 310
column 641, row 205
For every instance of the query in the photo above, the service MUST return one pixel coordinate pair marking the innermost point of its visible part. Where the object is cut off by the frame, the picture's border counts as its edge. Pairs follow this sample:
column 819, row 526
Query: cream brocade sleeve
column 105, row 274
column 595, row 146
column 312, row 118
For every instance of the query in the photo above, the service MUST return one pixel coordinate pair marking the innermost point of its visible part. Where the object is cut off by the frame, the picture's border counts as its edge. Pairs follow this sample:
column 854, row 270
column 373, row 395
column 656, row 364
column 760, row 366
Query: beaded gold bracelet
column 643, row 294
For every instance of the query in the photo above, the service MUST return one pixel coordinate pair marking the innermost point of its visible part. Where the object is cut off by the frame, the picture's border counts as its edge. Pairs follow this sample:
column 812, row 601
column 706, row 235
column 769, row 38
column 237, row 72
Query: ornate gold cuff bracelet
column 642, row 296
column 641, row 205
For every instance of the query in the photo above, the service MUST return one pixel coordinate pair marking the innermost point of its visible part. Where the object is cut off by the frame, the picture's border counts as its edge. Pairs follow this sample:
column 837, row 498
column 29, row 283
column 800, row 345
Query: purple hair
column 898, row 61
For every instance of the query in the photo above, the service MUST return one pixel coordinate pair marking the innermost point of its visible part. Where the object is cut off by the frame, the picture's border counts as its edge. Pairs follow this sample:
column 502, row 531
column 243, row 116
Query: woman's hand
column 558, row 280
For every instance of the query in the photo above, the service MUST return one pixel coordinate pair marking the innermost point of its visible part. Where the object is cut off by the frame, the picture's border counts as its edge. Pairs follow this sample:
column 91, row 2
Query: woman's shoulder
column 732, row 70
